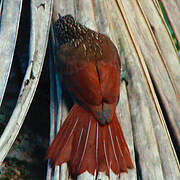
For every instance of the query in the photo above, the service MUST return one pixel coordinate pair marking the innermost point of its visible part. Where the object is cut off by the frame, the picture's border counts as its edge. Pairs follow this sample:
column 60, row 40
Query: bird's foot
column 124, row 76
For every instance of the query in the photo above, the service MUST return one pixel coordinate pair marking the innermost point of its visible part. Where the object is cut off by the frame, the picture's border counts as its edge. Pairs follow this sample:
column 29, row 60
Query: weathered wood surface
column 159, row 73
column 143, row 109
column 10, row 12
column 147, row 52
column 172, row 9
column 143, row 43
column 41, row 19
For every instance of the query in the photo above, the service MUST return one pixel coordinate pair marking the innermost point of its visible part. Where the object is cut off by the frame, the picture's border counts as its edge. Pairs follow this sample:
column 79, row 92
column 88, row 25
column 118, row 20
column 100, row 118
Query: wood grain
column 10, row 12
column 38, row 41
column 140, row 42
column 172, row 9
column 158, row 72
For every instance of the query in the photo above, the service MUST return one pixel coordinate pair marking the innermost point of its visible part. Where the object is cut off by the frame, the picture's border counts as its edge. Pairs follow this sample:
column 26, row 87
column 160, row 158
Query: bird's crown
column 68, row 29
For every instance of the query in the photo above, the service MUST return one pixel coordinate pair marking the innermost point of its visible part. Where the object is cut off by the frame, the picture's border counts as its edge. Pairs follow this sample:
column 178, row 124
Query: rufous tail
column 87, row 146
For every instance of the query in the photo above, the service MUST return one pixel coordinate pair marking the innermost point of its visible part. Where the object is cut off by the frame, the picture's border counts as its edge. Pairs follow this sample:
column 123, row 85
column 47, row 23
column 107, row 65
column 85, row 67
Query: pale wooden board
column 41, row 18
column 143, row 38
column 60, row 172
column 172, row 9
column 145, row 131
column 163, row 41
column 10, row 12
column 178, row 3
column 166, row 152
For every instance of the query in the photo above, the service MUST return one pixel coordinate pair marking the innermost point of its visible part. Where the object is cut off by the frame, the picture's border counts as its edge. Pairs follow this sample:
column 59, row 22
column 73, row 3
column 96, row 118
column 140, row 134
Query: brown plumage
column 91, row 138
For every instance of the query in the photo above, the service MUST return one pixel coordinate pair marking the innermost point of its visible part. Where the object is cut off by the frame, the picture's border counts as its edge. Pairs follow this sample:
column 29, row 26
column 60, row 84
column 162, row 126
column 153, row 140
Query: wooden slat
column 124, row 116
column 140, row 91
column 178, row 3
column 172, row 9
column 85, row 13
column 59, row 172
column 154, row 61
column 142, row 125
column 159, row 9
column 41, row 17
column 162, row 41
column 58, row 112
column 53, row 106
column 10, row 12
column 63, row 7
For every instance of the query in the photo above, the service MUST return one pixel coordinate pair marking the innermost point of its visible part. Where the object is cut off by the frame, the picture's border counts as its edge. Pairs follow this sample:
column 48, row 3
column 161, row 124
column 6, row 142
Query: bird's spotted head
column 67, row 28
column 64, row 23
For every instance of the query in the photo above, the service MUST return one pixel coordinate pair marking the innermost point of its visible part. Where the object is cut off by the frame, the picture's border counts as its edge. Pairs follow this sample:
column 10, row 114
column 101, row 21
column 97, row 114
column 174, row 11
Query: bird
column 91, row 138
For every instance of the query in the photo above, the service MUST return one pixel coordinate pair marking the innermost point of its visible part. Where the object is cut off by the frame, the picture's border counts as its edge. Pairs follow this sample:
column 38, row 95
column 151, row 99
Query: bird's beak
column 59, row 15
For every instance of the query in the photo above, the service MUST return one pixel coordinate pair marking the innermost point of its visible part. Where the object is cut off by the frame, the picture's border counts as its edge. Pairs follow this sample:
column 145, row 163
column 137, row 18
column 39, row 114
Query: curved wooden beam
column 41, row 19
column 10, row 12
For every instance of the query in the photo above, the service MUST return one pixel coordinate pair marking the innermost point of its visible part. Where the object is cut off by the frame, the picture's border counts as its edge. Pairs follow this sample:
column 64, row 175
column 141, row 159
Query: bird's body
column 91, row 138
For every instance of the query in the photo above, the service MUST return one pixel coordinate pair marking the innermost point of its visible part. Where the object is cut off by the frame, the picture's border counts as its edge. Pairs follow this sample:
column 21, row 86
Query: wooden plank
column 159, row 9
column 41, row 18
column 172, row 9
column 162, row 40
column 143, row 134
column 53, row 107
column 58, row 113
column 124, row 116
column 59, row 172
column 63, row 7
column 140, row 90
column 85, row 15
column 158, row 72
column 10, row 12
column 178, row 3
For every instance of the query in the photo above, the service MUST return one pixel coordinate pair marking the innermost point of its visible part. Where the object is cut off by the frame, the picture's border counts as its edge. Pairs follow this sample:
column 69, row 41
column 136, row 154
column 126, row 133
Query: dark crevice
column 138, row 166
column 152, row 28
column 1, row 10
column 67, row 97
column 168, row 123
column 42, row 5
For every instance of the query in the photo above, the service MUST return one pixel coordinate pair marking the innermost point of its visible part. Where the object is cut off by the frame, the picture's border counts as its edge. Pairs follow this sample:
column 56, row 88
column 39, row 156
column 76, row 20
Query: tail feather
column 88, row 146
column 62, row 137
column 88, row 159
column 122, row 144
column 103, row 165
column 78, row 153
column 118, row 148
column 113, row 152
column 65, row 152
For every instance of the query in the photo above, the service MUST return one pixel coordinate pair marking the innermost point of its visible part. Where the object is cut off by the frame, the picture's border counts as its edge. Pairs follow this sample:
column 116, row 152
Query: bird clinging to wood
column 91, row 138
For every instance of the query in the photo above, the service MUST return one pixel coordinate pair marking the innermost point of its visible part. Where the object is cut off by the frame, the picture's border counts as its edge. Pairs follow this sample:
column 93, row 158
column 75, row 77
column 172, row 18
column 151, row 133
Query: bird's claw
column 124, row 76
